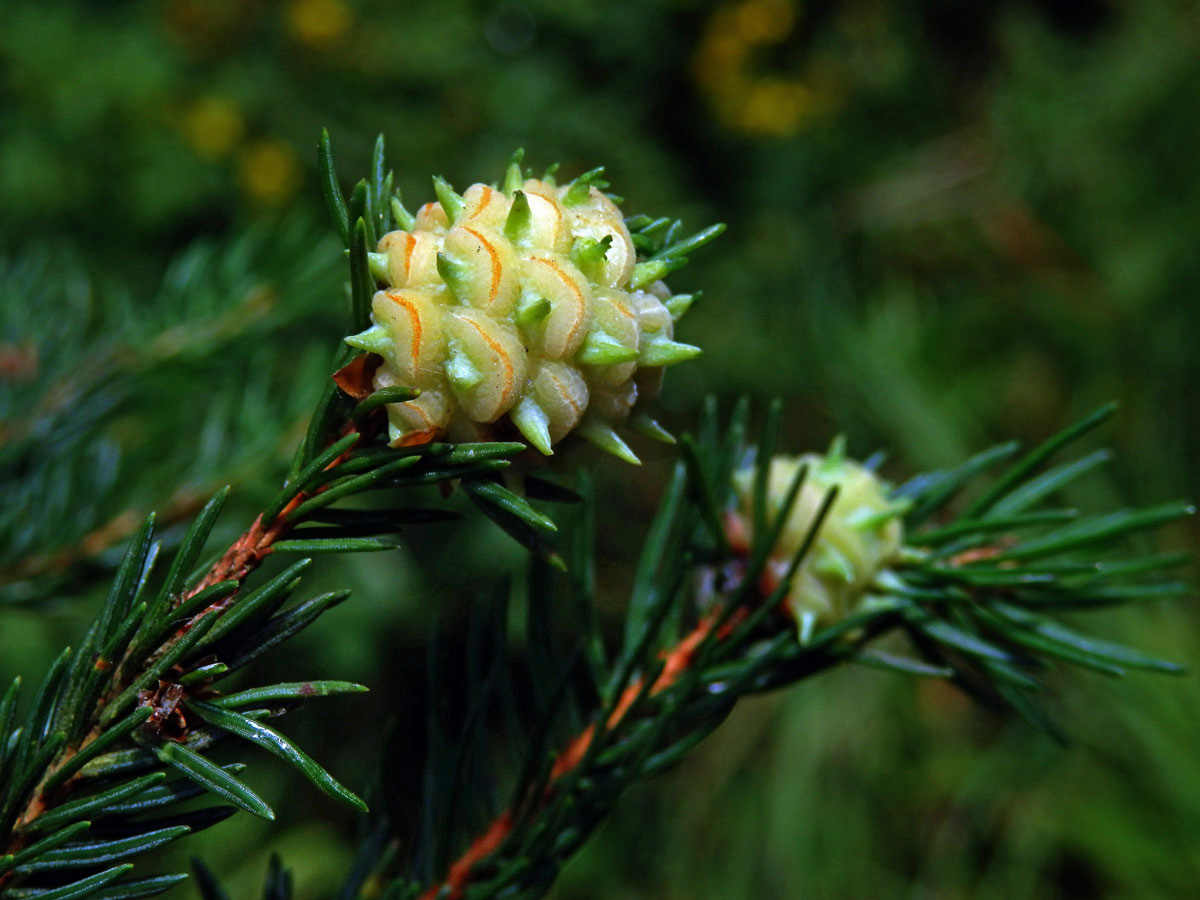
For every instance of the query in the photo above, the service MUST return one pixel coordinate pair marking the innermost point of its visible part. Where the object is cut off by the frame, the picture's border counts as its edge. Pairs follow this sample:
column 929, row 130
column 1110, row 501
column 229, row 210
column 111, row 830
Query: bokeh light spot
column 212, row 127
column 269, row 171
column 319, row 23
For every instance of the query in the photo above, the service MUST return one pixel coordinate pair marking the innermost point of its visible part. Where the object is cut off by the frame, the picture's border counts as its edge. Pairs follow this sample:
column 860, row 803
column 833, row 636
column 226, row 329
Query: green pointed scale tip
column 806, row 626
column 404, row 219
column 580, row 188
column 835, row 456
column 831, row 563
column 643, row 424
column 455, row 274
column 452, row 202
column 374, row 340
column 678, row 304
column 548, row 175
column 865, row 520
column 531, row 309
column 606, row 438
column 589, row 255
column 652, row 270
column 602, row 349
column 664, row 352
column 513, row 177
column 463, row 373
column 517, row 224
column 378, row 263
column 531, row 420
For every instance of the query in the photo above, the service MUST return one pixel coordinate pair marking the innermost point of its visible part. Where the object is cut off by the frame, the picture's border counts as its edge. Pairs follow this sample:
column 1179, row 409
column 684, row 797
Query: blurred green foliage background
column 948, row 224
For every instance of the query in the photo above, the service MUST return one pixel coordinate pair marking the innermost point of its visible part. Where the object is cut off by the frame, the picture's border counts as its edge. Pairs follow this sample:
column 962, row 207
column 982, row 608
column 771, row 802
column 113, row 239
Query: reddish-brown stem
column 676, row 661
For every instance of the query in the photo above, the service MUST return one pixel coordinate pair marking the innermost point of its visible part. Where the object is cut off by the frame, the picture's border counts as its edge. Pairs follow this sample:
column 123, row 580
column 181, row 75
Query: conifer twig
column 235, row 565
column 973, row 593
column 676, row 663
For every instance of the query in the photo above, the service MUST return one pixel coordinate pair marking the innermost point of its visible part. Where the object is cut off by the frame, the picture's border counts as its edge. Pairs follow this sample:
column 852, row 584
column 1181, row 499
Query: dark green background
column 948, row 224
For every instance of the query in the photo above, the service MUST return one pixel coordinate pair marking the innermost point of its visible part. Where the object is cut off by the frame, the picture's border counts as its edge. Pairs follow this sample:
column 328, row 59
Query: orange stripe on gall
column 486, row 193
column 410, row 244
column 572, row 286
column 415, row 317
column 509, row 375
column 565, row 395
column 495, row 257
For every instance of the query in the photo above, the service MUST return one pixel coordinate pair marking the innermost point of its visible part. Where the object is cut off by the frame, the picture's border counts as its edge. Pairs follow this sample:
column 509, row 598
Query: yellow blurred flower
column 269, row 171
column 212, row 126
column 746, row 100
column 319, row 24
column 764, row 21
column 776, row 106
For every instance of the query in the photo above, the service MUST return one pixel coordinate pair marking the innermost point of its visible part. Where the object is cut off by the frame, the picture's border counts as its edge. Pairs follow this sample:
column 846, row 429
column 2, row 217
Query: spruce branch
column 138, row 698
column 139, row 694
column 978, row 595
column 753, row 577
column 147, row 669
column 75, row 486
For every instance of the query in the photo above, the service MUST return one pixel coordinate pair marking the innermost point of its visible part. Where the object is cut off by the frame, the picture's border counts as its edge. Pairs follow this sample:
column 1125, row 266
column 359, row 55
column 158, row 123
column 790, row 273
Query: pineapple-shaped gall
column 859, row 537
column 526, row 302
